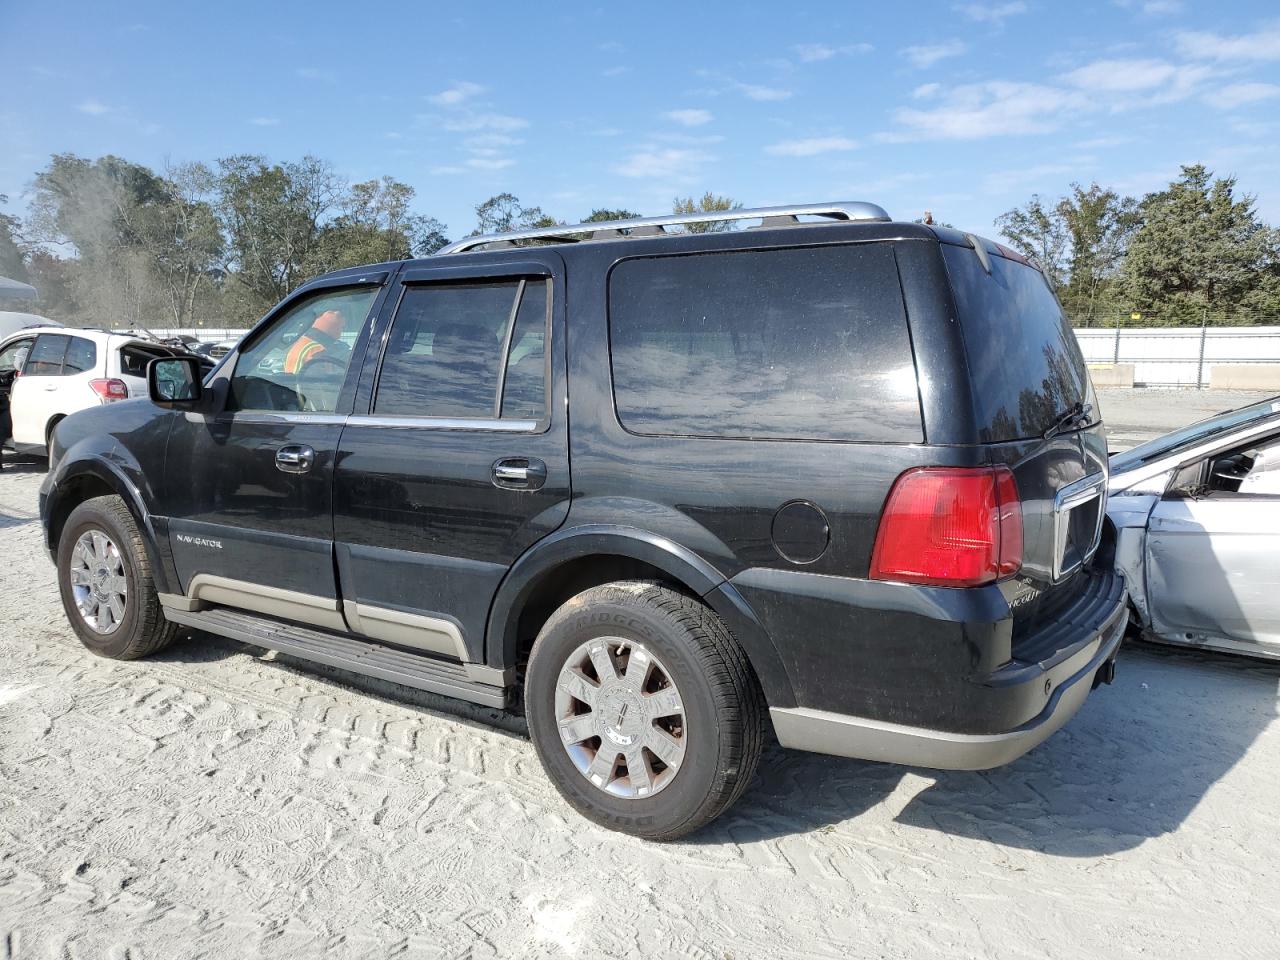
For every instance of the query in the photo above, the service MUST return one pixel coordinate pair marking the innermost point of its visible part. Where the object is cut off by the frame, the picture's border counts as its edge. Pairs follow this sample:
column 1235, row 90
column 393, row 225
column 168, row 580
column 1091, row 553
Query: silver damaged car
column 1197, row 519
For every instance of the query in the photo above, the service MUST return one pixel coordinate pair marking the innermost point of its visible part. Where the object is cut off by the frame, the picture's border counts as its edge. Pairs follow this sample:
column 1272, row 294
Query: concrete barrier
column 1244, row 376
column 1111, row 374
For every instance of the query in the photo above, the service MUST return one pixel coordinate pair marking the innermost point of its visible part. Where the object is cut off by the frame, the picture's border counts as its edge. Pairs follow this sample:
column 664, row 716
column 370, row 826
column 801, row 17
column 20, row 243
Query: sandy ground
column 220, row 802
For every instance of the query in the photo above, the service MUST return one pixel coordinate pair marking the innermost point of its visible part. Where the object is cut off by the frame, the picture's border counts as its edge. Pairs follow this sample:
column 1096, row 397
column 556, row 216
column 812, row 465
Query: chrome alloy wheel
column 98, row 581
column 621, row 718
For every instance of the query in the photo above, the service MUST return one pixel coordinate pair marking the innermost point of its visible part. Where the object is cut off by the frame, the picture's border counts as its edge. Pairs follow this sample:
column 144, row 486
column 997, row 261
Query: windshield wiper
column 1076, row 415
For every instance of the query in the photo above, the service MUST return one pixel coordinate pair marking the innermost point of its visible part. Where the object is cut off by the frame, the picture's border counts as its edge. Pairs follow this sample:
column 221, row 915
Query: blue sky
column 960, row 107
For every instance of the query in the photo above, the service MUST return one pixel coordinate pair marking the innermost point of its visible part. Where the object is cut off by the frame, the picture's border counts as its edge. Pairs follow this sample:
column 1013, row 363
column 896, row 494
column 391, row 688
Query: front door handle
column 519, row 473
column 295, row 458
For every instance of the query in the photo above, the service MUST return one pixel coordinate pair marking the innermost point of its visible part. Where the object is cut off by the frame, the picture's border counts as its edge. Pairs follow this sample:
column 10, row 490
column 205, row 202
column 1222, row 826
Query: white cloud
column 1263, row 44
column 615, row 71
column 925, row 91
column 265, row 121
column 766, row 94
column 689, row 118
column 490, row 163
column 1238, row 94
column 811, row 146
column 670, row 163
column 928, row 55
column 485, row 121
column 992, row 13
column 814, row 52
column 1161, row 8
column 995, row 108
column 1156, row 80
column 489, row 141
column 95, row 108
column 457, row 92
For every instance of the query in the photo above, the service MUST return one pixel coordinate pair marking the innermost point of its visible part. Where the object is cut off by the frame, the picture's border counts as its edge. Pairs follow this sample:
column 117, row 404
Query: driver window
column 300, row 361
column 1262, row 477
column 1253, row 470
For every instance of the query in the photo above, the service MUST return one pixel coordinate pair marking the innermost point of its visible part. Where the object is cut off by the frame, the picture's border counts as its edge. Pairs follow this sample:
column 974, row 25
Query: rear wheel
column 104, row 577
column 643, row 709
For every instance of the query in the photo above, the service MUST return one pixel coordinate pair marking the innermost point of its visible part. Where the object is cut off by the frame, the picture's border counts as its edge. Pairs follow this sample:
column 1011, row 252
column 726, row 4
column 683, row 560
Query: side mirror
column 174, row 380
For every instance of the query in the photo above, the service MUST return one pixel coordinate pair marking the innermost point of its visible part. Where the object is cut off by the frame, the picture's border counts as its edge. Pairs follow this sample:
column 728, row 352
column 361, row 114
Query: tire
column 712, row 741
column 136, row 627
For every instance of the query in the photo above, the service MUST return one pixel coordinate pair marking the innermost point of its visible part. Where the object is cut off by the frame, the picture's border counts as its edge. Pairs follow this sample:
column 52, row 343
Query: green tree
column 1078, row 241
column 181, row 233
column 273, row 217
column 376, row 226
column 1200, row 250
column 603, row 214
column 100, row 211
column 707, row 203
column 1037, row 232
column 12, row 263
column 1099, row 223
column 505, row 213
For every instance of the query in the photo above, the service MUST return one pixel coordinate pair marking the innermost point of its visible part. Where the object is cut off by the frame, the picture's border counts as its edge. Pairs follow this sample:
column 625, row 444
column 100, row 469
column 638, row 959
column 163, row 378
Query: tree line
column 113, row 243
column 1194, row 252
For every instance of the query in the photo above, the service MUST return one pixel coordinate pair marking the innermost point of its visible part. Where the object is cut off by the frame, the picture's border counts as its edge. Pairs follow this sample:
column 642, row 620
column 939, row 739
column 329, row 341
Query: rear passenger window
column 82, row 355
column 46, row 356
column 453, row 345
column 806, row 343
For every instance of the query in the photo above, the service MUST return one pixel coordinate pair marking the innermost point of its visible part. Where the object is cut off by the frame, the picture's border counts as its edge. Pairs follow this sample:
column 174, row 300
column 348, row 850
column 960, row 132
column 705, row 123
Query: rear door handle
column 295, row 458
column 519, row 473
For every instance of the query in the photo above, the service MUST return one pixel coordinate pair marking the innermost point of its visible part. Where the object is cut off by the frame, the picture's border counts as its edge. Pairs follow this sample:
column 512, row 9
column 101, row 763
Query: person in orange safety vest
column 320, row 338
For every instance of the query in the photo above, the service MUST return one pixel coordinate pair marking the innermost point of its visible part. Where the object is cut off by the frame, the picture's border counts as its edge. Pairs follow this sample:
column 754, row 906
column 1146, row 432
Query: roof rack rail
column 653, row 226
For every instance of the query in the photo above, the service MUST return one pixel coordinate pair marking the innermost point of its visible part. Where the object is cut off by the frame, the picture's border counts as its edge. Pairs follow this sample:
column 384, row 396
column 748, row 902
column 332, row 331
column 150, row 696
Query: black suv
column 832, row 474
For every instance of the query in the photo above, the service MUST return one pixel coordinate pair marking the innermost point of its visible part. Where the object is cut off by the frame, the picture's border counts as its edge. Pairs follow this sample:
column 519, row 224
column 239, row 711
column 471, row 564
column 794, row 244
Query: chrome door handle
column 295, row 458
column 511, row 474
column 519, row 473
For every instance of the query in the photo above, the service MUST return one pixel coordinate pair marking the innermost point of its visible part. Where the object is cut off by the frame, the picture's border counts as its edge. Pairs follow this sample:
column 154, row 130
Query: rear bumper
column 823, row 731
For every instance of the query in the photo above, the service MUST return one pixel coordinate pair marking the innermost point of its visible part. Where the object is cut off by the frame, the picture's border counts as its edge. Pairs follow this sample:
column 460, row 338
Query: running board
column 346, row 653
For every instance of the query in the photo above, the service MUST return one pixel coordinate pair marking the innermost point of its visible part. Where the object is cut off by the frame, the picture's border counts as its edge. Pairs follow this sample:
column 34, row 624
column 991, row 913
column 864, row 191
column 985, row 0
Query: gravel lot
column 218, row 801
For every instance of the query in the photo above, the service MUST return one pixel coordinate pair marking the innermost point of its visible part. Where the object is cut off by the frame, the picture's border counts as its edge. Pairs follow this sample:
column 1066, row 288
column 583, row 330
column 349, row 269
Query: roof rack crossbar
column 651, row 226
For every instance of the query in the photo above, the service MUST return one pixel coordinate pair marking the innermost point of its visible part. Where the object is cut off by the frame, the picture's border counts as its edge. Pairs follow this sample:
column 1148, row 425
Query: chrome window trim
column 445, row 423
column 1068, row 498
column 277, row 417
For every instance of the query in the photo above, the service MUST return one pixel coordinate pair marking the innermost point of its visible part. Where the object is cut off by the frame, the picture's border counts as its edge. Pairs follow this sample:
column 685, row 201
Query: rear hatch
column 1035, row 408
column 133, row 359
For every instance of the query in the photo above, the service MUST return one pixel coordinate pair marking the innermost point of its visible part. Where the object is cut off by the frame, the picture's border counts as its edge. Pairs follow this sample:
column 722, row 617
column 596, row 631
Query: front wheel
column 104, row 577
column 643, row 709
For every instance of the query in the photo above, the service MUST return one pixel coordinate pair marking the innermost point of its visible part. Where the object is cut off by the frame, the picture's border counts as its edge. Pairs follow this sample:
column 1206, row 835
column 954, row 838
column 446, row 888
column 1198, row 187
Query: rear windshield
column 806, row 343
column 1024, row 361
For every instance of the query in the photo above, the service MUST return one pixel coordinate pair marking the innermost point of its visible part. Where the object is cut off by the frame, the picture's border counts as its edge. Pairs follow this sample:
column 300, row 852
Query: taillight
column 109, row 391
column 950, row 527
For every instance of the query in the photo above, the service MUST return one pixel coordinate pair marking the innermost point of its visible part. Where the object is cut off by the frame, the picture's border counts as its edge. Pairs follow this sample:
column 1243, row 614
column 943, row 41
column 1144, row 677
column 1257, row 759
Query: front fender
column 1130, row 514
column 89, row 468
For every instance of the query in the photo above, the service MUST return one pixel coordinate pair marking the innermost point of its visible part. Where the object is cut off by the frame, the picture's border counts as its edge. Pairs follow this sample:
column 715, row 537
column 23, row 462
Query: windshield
column 1024, row 363
column 1194, row 434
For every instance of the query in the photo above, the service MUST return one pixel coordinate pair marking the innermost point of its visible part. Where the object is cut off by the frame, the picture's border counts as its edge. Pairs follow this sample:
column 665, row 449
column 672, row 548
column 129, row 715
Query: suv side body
column 452, row 540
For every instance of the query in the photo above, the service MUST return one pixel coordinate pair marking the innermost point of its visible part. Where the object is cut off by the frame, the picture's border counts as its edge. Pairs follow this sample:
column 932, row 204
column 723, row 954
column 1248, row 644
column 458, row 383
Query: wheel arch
column 93, row 477
column 570, row 561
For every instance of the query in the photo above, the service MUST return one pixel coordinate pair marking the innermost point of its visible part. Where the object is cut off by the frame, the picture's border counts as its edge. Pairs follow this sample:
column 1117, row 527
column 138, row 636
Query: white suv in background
column 66, row 370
